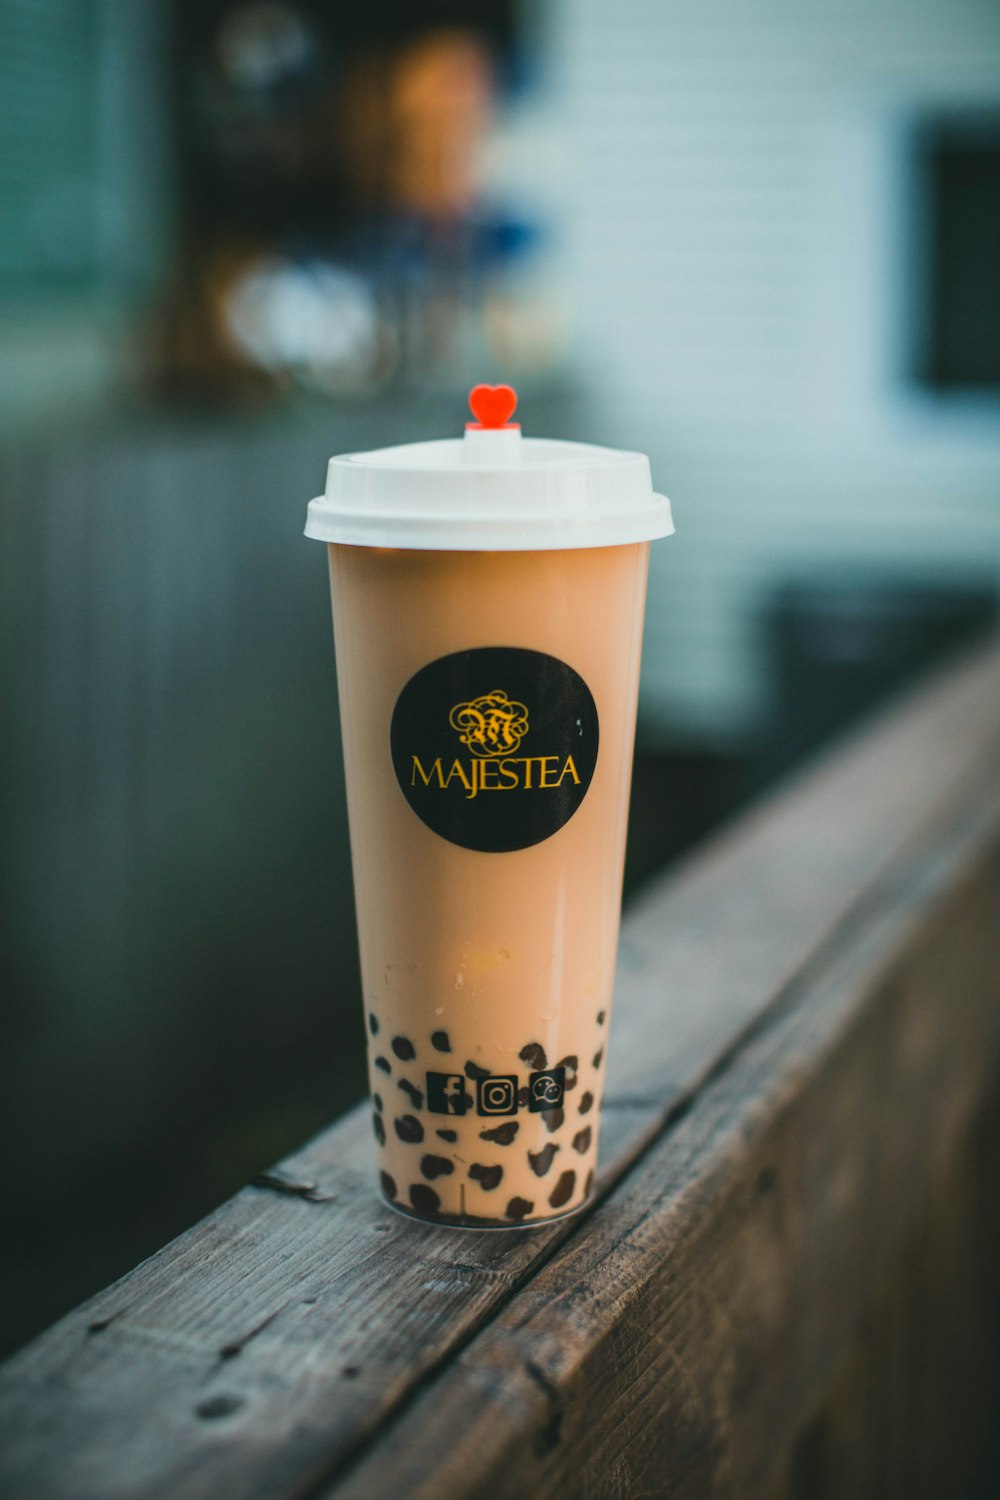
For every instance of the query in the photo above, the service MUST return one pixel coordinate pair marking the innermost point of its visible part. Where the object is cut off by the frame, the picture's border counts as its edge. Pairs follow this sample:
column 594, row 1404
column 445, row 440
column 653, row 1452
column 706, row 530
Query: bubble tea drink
column 488, row 601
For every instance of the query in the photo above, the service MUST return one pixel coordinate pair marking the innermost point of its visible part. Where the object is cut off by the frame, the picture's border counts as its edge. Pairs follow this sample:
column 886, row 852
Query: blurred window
column 340, row 222
column 959, row 182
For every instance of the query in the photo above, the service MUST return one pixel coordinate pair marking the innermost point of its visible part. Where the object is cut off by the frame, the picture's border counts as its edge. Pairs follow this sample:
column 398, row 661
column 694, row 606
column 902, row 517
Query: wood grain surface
column 805, row 1037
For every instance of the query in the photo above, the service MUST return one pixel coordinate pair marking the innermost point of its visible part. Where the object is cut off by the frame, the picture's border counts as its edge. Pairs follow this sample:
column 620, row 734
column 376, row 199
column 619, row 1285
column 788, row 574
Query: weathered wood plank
column 917, row 1387
column 683, row 1344
column 260, row 1353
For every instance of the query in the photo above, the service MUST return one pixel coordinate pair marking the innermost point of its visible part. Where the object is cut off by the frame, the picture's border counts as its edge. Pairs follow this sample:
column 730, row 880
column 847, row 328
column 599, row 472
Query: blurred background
column 759, row 242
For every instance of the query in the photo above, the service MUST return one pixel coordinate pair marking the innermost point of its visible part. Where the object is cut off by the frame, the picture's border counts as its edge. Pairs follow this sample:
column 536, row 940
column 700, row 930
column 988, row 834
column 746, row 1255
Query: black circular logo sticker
column 494, row 748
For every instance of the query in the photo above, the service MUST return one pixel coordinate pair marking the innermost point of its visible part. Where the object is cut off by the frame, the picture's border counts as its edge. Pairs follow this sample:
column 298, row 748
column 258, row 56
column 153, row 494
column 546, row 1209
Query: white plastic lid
column 490, row 491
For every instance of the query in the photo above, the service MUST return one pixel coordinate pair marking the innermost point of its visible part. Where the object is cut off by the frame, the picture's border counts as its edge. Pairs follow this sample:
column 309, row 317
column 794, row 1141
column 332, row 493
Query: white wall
column 732, row 211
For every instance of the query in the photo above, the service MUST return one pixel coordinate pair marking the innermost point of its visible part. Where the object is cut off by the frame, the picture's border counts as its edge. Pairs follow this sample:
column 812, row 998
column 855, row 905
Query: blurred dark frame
column 954, row 303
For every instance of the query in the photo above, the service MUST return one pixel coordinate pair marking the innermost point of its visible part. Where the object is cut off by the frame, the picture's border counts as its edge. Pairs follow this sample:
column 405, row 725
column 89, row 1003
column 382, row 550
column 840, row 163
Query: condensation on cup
column 488, row 596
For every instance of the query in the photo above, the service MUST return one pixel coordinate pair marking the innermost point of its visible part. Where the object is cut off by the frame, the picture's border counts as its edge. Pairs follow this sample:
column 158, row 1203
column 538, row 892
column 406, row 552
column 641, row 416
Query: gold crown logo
column 491, row 725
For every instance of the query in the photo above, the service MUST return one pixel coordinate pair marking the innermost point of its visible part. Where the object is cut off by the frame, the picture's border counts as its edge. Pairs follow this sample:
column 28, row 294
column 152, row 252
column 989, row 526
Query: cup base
column 470, row 1222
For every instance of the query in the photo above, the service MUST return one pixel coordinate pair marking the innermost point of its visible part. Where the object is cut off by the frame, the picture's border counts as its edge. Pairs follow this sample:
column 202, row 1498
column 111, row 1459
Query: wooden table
column 786, row 1285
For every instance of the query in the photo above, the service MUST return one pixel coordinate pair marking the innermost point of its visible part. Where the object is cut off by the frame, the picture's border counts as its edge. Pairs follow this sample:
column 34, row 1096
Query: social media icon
column 546, row 1089
column 498, row 1095
column 446, row 1094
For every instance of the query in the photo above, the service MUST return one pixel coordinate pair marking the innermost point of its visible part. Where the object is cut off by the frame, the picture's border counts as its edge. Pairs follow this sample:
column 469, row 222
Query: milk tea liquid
column 487, row 973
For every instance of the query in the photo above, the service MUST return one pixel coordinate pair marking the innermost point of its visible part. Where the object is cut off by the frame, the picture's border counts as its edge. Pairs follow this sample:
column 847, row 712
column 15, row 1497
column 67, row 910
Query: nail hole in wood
column 767, row 1180
column 219, row 1406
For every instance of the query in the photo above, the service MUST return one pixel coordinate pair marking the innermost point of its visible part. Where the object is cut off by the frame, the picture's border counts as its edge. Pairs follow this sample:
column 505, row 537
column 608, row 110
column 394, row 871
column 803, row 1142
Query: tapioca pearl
column 523, row 1097
column 436, row 1166
column 572, row 1067
column 586, row 1103
column 553, row 1119
column 581, row 1141
column 403, row 1048
column 411, row 1091
column 488, row 1177
column 602, row 1016
column 473, row 1070
column 388, row 1184
column 534, row 1055
column 501, row 1134
column 589, row 1183
column 409, row 1129
column 373, row 1023
column 424, row 1199
column 598, row 1057
column 541, row 1161
column 440, row 1041
column 377, row 1101
column 384, row 1064
column 379, row 1128
column 448, row 1135
column 563, row 1190
column 518, row 1208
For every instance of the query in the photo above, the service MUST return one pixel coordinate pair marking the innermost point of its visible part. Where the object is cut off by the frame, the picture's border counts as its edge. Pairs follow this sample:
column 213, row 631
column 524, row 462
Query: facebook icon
column 446, row 1094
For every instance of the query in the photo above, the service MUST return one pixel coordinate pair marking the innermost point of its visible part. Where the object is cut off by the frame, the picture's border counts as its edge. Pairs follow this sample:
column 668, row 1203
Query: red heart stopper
column 493, row 405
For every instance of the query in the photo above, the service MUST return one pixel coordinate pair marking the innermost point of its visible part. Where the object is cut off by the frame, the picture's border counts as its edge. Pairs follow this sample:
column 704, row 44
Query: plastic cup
column 488, row 682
